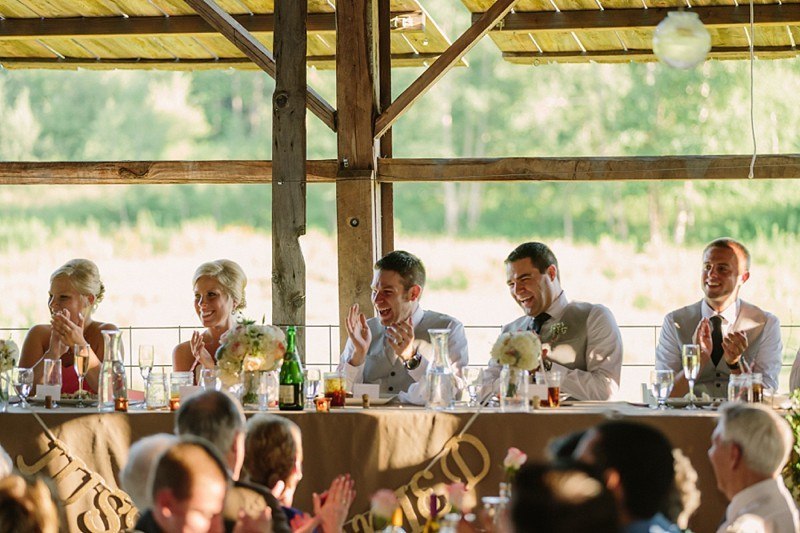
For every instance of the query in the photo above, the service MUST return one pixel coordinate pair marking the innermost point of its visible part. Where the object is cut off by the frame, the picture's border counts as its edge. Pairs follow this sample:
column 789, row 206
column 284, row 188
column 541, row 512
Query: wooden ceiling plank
column 739, row 52
column 258, row 53
column 442, row 65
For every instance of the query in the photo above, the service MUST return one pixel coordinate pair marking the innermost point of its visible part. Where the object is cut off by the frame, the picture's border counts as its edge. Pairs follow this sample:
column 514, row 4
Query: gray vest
column 569, row 350
column 383, row 367
column 714, row 381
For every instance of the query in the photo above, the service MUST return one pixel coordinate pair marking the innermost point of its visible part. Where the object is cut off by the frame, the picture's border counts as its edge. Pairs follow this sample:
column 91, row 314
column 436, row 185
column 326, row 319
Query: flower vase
column 250, row 386
column 5, row 388
column 233, row 384
column 514, row 389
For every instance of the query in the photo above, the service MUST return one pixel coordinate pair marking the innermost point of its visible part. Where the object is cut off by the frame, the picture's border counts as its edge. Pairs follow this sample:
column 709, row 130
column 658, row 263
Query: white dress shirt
column 766, row 507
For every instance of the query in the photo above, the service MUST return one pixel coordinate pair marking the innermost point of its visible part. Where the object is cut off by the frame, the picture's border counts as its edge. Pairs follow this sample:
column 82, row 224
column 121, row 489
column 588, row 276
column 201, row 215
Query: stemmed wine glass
column 80, row 353
column 690, row 356
column 313, row 377
column 146, row 359
column 661, row 383
column 474, row 378
column 22, row 384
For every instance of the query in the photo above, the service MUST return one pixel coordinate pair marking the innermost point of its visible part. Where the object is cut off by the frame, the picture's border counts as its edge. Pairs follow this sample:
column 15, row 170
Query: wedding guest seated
column 188, row 490
column 274, row 460
column 393, row 349
column 75, row 292
column 794, row 377
column 27, row 506
column 219, row 419
column 749, row 448
column 589, row 352
column 218, row 295
column 637, row 465
column 561, row 499
column 734, row 335
column 134, row 477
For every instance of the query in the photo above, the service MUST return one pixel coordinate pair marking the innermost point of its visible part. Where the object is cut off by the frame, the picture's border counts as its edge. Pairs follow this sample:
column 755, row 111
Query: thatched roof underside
column 168, row 34
column 545, row 31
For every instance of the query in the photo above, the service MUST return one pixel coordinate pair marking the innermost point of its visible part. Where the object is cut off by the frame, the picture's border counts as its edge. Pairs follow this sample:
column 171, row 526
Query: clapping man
column 393, row 349
column 734, row 336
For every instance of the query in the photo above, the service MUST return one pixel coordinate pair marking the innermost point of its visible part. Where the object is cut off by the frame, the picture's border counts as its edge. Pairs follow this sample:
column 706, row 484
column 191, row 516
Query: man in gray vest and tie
column 734, row 336
column 587, row 349
column 393, row 348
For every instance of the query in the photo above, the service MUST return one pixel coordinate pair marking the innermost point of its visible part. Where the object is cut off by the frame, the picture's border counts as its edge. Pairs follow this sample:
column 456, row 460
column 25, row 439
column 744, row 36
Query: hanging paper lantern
column 681, row 40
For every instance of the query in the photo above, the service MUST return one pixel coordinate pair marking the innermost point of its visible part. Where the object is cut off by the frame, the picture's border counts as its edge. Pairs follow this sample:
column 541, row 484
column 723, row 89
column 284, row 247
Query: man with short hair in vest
column 734, row 336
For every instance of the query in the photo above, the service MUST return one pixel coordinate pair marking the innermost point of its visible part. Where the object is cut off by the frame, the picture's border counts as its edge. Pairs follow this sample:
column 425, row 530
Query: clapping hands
column 199, row 351
column 64, row 332
column 332, row 506
column 359, row 333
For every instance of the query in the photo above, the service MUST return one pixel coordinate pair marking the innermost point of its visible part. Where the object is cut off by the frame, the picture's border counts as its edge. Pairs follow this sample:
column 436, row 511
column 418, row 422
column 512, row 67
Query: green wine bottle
column 290, row 397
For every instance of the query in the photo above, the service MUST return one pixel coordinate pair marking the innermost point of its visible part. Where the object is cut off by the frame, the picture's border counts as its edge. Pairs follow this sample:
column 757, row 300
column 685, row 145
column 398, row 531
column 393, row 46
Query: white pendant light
column 681, row 40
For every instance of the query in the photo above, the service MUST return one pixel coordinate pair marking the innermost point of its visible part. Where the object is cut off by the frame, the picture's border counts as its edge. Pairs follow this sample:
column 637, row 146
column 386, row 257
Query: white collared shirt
column 766, row 507
column 728, row 315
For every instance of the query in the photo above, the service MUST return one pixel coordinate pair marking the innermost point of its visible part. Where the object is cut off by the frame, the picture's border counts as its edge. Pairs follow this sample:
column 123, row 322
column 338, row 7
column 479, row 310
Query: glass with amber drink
column 334, row 388
column 553, row 381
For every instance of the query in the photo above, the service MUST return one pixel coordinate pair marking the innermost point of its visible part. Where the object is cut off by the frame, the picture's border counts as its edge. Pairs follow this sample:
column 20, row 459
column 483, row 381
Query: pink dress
column 69, row 378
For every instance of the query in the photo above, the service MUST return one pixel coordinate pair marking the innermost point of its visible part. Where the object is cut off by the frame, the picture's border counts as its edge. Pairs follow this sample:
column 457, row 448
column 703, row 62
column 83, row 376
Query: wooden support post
column 356, row 207
column 289, row 167
column 386, row 190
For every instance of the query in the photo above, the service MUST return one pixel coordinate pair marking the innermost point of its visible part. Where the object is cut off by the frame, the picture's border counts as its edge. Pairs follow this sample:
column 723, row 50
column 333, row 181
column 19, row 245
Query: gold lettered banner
column 463, row 459
column 112, row 509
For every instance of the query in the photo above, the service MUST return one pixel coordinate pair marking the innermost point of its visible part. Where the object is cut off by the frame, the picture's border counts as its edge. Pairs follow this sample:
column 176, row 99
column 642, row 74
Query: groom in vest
column 393, row 349
column 589, row 352
column 733, row 335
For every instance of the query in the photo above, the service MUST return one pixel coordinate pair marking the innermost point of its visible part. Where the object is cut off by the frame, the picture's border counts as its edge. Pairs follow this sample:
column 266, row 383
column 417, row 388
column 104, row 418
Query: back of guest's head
column 764, row 437
column 271, row 448
column 180, row 467
column 733, row 245
column 84, row 277
column 562, row 448
column 407, row 265
column 625, row 447
column 561, row 499
column 212, row 415
column 135, row 477
column 230, row 275
column 27, row 506
column 539, row 253
column 6, row 464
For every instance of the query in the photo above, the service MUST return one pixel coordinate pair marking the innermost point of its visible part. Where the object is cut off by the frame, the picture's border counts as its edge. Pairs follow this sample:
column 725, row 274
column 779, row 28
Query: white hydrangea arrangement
column 9, row 356
column 518, row 349
column 249, row 347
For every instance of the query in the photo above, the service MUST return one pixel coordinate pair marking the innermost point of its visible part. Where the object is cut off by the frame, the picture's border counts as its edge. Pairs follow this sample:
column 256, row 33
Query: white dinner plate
column 66, row 401
column 356, row 402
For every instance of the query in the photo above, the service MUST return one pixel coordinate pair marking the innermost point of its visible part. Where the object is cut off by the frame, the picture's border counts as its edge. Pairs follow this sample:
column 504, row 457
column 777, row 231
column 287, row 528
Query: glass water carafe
column 441, row 385
column 112, row 383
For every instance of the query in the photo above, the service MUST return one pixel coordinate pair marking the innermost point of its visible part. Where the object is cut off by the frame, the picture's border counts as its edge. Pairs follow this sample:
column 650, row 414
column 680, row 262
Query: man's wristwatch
column 732, row 367
column 413, row 362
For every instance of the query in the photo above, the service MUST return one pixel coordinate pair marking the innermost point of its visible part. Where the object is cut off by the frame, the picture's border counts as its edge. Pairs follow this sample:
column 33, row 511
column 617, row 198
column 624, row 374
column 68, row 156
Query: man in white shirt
column 749, row 447
column 393, row 349
column 733, row 335
column 589, row 352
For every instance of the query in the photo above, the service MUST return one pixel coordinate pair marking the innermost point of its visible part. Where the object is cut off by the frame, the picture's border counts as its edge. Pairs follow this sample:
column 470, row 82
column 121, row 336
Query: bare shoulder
column 182, row 358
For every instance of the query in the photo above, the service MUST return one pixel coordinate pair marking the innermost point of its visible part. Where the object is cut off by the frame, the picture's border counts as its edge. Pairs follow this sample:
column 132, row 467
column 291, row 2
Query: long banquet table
column 392, row 447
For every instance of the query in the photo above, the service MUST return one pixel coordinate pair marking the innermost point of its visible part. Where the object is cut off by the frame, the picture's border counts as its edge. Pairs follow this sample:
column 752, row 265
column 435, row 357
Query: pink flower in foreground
column 383, row 504
column 455, row 494
column 514, row 459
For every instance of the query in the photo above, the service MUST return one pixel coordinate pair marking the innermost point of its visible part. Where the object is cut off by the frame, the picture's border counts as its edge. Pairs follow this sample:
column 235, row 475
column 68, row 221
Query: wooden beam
column 442, row 65
column 289, row 167
column 257, row 52
column 152, row 172
column 713, row 167
column 611, row 56
column 186, row 25
column 638, row 18
column 358, row 229
column 385, row 190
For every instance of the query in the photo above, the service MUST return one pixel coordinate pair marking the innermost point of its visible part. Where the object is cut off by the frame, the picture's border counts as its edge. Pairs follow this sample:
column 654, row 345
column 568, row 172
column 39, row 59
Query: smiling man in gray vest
column 393, row 349
column 733, row 335
column 588, row 350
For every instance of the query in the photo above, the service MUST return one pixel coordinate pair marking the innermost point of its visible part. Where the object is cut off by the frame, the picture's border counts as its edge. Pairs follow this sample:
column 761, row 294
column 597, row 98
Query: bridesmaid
column 75, row 292
column 218, row 297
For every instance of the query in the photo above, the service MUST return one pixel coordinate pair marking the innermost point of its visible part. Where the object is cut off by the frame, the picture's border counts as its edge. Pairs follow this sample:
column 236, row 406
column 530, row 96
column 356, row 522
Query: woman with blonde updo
column 75, row 292
column 218, row 296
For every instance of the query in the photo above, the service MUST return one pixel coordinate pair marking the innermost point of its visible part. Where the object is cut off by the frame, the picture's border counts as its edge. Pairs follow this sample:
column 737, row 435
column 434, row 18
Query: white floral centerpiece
column 518, row 349
column 9, row 356
column 249, row 347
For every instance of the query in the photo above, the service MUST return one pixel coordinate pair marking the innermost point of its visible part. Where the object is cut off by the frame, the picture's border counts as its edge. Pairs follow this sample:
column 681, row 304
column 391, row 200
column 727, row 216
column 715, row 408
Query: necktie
column 716, row 339
column 538, row 322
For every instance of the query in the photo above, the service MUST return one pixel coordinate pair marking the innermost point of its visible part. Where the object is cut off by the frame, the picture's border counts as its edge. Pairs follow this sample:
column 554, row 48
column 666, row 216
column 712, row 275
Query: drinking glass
column 23, row 381
column 209, row 379
column 334, row 388
column 313, row 377
column 156, row 390
column 661, row 383
column 146, row 357
column 474, row 379
column 80, row 353
column 690, row 357
column 52, row 375
column 553, row 379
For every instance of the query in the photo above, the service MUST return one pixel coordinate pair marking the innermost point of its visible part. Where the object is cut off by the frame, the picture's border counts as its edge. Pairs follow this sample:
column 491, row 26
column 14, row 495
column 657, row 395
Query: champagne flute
column 146, row 359
column 313, row 377
column 22, row 384
column 690, row 356
column 474, row 378
column 661, row 383
column 80, row 353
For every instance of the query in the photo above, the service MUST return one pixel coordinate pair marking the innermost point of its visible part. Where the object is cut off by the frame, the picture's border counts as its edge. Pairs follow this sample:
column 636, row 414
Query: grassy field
column 147, row 273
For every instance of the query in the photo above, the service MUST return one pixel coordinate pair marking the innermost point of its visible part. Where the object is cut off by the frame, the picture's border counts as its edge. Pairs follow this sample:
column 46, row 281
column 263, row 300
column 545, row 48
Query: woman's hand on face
column 199, row 351
column 68, row 332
